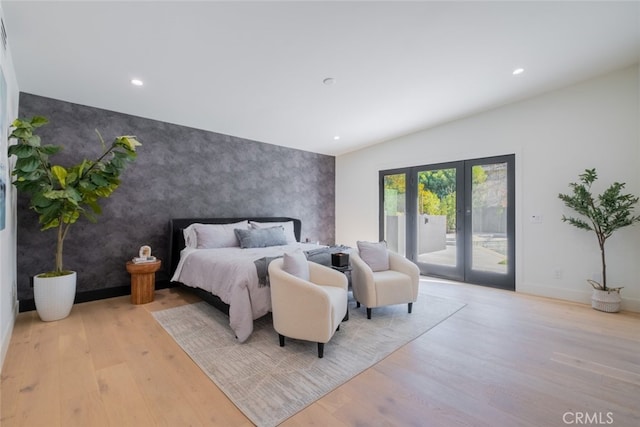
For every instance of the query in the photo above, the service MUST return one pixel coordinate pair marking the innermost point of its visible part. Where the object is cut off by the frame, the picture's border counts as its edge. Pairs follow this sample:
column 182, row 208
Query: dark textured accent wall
column 180, row 172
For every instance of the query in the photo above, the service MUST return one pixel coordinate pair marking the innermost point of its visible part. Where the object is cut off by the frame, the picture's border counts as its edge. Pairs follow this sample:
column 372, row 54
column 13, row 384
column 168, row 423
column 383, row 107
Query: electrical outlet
column 557, row 274
column 535, row 219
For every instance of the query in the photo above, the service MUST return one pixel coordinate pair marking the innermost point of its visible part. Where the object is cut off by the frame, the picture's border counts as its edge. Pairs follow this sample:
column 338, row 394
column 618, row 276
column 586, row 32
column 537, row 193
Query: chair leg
column 357, row 304
column 281, row 340
column 320, row 350
column 410, row 307
column 368, row 313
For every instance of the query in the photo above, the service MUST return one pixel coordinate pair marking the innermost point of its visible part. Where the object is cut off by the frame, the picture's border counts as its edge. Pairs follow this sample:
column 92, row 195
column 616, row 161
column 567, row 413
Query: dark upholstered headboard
column 177, row 225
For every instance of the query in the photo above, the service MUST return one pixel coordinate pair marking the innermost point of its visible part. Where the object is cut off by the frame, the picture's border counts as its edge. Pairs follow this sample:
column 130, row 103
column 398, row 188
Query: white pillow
column 212, row 236
column 190, row 237
column 374, row 254
column 288, row 228
column 296, row 264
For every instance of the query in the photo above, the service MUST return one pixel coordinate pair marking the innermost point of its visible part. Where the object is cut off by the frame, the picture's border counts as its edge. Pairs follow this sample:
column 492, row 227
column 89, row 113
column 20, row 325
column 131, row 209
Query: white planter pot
column 54, row 296
column 608, row 301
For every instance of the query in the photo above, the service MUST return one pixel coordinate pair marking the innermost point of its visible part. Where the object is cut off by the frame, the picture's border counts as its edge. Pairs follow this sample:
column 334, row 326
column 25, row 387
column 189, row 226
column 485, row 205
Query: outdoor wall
column 554, row 137
column 180, row 172
column 8, row 108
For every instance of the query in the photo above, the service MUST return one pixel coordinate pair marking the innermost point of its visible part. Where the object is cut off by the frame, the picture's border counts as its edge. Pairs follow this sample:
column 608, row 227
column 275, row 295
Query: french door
column 454, row 220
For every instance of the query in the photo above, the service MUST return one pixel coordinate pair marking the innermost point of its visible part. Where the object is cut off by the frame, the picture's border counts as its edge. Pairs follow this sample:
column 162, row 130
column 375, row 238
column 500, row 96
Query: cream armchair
column 397, row 285
column 307, row 310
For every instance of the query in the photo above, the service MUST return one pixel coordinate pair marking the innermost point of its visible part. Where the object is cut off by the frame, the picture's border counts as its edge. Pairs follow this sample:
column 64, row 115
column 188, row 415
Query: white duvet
column 230, row 273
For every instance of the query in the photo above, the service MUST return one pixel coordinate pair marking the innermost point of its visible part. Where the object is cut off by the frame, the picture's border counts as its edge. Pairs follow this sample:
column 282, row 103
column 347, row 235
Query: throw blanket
column 320, row 256
column 262, row 268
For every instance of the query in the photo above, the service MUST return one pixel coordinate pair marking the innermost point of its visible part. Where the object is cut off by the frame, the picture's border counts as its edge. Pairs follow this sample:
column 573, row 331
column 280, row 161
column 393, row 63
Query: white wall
column 8, row 299
column 554, row 138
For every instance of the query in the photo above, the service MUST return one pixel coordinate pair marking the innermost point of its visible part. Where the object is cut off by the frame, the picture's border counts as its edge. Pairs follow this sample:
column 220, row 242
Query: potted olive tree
column 603, row 214
column 60, row 196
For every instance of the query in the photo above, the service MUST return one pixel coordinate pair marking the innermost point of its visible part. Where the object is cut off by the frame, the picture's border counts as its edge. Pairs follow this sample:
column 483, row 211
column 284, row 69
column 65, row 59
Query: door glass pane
column 489, row 218
column 394, row 212
column 436, row 231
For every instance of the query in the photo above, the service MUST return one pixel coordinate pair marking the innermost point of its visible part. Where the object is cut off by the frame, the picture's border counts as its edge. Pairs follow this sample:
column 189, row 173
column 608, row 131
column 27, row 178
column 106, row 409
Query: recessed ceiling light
column 136, row 82
column 337, row 137
column 329, row 81
column 518, row 71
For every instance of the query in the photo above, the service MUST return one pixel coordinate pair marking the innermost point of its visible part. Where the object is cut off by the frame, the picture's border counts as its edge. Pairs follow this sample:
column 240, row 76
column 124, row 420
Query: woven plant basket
column 608, row 301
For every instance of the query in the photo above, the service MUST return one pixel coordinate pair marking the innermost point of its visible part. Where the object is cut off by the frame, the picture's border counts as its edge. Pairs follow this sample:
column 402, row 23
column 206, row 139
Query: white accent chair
column 397, row 285
column 307, row 310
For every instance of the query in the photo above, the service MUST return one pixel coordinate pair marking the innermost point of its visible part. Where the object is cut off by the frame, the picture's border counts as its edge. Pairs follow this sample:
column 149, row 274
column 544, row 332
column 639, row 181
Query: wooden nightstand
column 143, row 281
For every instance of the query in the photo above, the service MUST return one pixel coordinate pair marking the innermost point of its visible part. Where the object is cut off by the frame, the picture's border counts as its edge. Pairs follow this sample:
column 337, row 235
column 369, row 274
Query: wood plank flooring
column 506, row 359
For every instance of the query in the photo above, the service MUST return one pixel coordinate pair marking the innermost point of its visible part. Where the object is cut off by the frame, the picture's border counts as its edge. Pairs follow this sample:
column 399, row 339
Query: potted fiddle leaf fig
column 60, row 195
column 603, row 214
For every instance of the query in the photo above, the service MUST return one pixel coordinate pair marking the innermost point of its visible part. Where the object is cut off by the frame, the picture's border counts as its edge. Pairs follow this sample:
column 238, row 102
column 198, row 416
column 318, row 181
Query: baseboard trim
column 96, row 294
column 582, row 296
column 6, row 335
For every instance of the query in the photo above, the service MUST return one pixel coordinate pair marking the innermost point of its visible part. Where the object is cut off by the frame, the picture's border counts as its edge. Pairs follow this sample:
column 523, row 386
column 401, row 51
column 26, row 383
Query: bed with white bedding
column 208, row 254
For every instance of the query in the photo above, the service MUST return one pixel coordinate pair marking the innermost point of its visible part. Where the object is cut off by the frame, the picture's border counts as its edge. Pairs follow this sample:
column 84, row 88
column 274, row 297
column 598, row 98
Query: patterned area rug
column 269, row 383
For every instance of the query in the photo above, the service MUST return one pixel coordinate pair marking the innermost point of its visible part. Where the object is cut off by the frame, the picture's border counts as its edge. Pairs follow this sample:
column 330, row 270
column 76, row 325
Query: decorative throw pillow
column 288, row 228
column 211, row 236
column 296, row 264
column 374, row 254
column 261, row 238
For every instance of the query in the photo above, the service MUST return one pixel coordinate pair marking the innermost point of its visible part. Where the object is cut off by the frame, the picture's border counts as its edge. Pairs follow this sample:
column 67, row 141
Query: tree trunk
column 59, row 247
column 604, row 268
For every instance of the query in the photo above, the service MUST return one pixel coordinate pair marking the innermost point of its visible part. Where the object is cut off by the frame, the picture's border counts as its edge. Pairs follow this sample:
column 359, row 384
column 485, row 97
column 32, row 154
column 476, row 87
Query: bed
column 206, row 258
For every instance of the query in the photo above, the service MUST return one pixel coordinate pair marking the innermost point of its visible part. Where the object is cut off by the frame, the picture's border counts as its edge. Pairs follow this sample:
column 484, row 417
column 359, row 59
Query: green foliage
column 440, row 182
column 602, row 214
column 429, row 202
column 394, row 193
column 478, row 174
column 448, row 208
column 436, row 192
column 61, row 195
column 396, row 182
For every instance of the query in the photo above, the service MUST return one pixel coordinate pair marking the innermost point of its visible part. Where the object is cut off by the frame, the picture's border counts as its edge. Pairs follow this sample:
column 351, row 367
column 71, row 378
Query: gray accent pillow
column 374, row 254
column 261, row 237
column 296, row 264
column 288, row 228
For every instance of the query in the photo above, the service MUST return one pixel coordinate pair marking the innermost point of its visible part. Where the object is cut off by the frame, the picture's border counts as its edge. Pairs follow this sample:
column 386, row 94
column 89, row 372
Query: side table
column 143, row 280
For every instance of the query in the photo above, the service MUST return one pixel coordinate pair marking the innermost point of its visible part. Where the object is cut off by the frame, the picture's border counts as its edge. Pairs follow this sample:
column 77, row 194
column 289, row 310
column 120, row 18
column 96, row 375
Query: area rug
column 269, row 383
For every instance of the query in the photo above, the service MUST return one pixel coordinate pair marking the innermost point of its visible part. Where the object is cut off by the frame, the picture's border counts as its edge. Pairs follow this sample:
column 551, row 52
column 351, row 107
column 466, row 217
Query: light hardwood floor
column 505, row 359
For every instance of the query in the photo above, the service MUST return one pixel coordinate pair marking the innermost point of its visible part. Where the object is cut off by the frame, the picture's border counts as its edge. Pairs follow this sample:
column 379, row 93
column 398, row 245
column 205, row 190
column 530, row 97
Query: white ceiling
column 255, row 69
